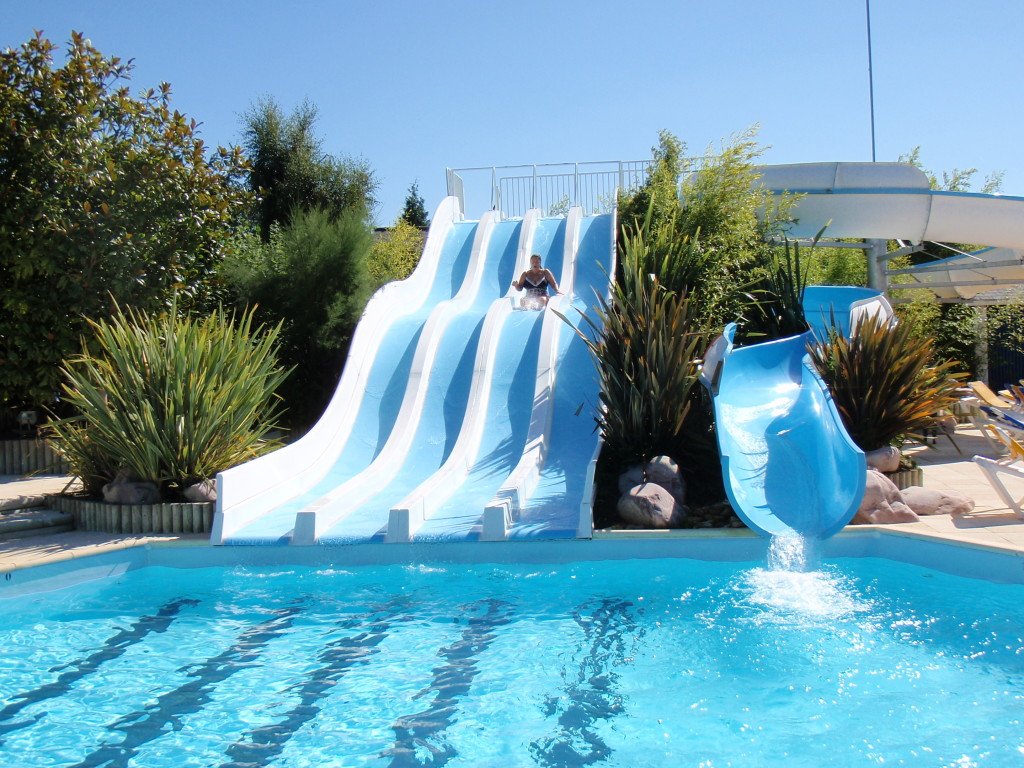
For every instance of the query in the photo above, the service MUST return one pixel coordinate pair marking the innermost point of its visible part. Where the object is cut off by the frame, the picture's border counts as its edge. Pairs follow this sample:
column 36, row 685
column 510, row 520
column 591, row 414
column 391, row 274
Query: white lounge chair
column 1012, row 464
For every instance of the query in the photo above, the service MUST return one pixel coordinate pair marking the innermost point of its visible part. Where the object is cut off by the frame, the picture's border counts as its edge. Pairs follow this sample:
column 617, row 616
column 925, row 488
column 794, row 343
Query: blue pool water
column 860, row 661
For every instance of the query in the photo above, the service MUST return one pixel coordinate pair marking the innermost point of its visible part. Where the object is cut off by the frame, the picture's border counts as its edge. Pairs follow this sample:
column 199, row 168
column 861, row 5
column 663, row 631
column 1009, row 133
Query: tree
column 415, row 212
column 311, row 276
column 291, row 171
column 106, row 198
column 395, row 253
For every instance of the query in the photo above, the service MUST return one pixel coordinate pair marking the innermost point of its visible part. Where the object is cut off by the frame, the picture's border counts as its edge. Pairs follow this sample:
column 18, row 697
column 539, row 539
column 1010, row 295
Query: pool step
column 33, row 521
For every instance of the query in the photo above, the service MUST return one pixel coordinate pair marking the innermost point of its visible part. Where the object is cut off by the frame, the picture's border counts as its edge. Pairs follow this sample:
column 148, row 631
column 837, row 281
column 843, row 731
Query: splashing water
column 792, row 589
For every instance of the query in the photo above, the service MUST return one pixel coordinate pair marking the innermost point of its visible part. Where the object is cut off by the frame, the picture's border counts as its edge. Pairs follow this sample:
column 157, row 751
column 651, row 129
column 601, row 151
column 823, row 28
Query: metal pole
column 871, row 81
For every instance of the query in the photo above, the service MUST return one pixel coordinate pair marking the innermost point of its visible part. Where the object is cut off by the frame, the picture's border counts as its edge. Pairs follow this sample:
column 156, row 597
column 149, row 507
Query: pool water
column 628, row 663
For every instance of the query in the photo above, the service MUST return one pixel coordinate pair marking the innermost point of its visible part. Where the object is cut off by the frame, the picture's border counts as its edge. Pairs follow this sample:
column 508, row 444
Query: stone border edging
column 20, row 457
column 91, row 515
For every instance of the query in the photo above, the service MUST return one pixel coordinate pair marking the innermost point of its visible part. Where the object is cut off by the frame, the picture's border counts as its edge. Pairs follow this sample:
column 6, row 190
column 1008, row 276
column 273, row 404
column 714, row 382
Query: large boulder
column 203, row 491
column 125, row 488
column 649, row 505
column 883, row 503
column 885, row 459
column 662, row 470
column 932, row 501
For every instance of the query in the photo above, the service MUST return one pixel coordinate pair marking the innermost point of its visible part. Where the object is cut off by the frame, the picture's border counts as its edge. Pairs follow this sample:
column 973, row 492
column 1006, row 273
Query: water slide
column 787, row 461
column 256, row 500
column 438, row 405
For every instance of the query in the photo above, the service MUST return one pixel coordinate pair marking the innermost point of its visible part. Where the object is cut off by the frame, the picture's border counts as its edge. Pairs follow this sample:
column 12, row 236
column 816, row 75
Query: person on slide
column 536, row 280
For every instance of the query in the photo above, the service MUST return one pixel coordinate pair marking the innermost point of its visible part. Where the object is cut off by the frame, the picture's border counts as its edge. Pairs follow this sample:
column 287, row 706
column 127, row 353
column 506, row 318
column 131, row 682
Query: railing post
column 622, row 184
column 495, row 192
column 575, row 183
column 533, row 189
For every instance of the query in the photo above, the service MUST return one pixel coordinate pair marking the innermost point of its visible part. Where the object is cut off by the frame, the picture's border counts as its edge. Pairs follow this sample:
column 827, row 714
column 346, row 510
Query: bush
column 395, row 253
column 103, row 195
column 883, row 381
column 777, row 298
column 311, row 277
column 171, row 400
column 713, row 228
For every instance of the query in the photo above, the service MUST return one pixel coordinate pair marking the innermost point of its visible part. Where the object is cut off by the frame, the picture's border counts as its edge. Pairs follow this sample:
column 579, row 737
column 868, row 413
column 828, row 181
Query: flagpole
column 871, row 80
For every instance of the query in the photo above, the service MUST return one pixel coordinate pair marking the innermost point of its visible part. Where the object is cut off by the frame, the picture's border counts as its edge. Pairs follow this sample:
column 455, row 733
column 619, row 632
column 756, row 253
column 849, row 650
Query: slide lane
column 559, row 505
column 361, row 514
column 449, row 503
column 256, row 500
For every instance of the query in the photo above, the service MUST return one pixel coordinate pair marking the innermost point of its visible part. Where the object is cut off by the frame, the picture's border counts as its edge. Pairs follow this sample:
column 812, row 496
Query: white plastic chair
column 1012, row 464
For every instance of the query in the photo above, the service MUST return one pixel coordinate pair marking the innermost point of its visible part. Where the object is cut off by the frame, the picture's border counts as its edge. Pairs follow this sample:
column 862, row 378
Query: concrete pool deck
column 991, row 525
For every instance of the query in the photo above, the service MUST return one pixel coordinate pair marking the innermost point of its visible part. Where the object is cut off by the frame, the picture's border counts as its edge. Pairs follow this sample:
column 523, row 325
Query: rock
column 932, row 501
column 883, row 503
column 201, row 492
column 631, row 478
column 885, row 459
column 650, row 506
column 131, row 492
column 661, row 470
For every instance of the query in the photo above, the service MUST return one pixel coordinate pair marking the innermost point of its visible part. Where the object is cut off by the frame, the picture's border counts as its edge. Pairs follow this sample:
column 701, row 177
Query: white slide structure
column 446, row 401
column 249, row 495
column 893, row 201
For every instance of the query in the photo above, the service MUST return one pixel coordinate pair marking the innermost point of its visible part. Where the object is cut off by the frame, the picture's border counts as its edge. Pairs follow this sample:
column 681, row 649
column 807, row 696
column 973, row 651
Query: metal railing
column 551, row 187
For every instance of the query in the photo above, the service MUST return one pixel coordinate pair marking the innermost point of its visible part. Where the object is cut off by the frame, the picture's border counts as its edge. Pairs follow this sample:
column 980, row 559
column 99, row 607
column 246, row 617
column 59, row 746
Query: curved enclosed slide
column 788, row 464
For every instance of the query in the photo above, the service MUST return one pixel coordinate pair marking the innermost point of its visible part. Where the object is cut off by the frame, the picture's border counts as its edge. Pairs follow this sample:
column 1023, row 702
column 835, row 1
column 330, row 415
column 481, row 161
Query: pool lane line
column 258, row 746
column 591, row 691
column 143, row 726
column 112, row 648
column 424, row 730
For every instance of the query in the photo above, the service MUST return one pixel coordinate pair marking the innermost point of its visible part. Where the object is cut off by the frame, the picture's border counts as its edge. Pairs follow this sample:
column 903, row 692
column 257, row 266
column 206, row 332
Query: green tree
column 291, row 171
column 105, row 198
column 311, row 276
column 395, row 253
column 415, row 211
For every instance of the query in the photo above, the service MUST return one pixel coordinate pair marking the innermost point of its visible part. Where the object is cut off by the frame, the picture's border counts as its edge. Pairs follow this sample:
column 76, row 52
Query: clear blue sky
column 414, row 87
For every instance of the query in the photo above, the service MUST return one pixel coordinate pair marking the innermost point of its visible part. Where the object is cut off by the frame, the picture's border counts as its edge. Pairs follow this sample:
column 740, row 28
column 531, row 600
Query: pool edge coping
column 63, row 554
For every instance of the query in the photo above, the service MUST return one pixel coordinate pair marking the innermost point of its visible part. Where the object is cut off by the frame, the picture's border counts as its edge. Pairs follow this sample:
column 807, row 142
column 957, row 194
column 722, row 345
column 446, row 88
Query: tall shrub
column 311, row 277
column 103, row 194
column 884, row 382
column 171, row 400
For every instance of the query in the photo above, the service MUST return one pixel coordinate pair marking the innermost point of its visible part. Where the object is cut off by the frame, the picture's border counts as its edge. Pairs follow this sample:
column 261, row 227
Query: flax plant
column 646, row 346
column 169, row 399
column 776, row 308
column 883, row 380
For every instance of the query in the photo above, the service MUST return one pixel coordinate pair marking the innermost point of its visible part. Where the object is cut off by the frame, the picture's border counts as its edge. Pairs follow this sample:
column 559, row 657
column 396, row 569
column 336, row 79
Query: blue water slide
column 434, row 406
column 550, row 492
column 788, row 463
column 257, row 500
column 449, row 502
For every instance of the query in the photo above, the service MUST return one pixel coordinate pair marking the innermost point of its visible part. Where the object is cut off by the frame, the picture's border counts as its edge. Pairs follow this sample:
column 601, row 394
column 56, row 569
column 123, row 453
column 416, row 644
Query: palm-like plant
column 646, row 346
column 883, row 380
column 171, row 400
column 777, row 298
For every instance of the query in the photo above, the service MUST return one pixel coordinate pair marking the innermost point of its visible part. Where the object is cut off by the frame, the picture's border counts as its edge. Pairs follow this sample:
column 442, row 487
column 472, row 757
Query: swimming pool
column 634, row 662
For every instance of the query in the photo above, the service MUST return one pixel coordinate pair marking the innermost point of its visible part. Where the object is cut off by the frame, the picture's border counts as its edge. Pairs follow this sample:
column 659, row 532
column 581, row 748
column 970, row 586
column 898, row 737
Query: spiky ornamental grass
column 170, row 399
column 884, row 382
column 646, row 347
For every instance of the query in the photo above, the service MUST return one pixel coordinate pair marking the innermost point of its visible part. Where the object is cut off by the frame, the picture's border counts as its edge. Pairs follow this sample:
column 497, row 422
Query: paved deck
column 991, row 525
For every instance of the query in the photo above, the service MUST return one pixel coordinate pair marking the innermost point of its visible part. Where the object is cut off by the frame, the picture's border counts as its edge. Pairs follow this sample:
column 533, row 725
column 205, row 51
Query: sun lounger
column 987, row 396
column 1012, row 465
